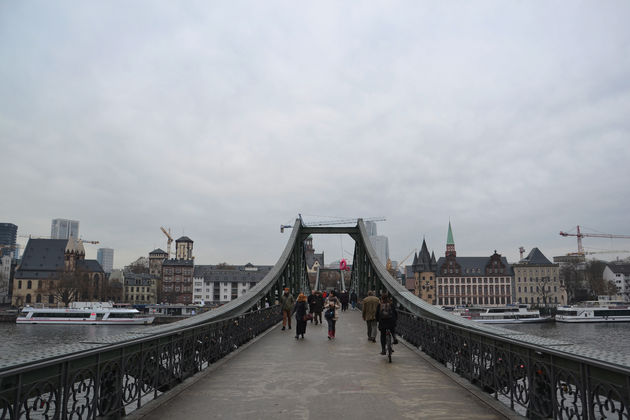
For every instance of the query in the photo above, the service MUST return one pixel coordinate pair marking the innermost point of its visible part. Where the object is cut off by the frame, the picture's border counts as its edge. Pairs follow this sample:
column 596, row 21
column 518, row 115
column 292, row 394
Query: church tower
column 450, row 243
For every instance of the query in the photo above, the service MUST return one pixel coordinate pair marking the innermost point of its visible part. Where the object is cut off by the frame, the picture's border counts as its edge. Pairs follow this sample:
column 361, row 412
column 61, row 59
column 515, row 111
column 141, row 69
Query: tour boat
column 594, row 312
column 511, row 314
column 88, row 313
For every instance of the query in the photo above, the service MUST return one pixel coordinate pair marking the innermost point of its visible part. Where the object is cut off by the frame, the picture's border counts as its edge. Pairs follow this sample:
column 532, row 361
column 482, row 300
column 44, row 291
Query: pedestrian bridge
column 280, row 377
column 131, row 373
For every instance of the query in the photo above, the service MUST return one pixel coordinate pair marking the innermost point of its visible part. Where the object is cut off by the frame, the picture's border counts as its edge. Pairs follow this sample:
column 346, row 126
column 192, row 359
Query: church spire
column 450, row 242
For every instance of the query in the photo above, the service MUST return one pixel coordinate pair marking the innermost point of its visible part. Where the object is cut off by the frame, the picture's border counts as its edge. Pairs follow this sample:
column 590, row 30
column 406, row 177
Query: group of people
column 310, row 309
column 379, row 314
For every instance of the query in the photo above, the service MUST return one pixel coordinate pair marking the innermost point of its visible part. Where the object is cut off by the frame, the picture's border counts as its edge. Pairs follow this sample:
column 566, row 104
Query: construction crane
column 581, row 235
column 89, row 242
column 333, row 222
column 169, row 241
column 398, row 267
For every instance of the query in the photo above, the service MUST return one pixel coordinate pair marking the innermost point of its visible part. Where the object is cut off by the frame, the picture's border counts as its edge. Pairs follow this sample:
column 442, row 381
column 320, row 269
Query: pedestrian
column 311, row 305
column 353, row 299
column 300, row 310
column 332, row 313
column 370, row 306
column 286, row 304
column 386, row 315
column 319, row 307
column 344, row 298
column 324, row 294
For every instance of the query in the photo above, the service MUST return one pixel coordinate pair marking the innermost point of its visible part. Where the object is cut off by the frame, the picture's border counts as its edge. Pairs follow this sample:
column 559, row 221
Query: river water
column 19, row 339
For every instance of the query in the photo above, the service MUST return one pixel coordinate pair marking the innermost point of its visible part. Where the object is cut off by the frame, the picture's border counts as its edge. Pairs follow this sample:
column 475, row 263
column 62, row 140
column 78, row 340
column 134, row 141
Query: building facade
column 222, row 283
column 140, row 288
column 464, row 281
column 424, row 268
column 105, row 257
column 64, row 229
column 537, row 281
column 619, row 273
column 52, row 268
column 177, row 274
column 380, row 243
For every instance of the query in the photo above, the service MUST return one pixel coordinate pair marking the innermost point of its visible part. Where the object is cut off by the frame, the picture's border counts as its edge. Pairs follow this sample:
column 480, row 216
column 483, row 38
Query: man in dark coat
column 311, row 304
column 386, row 316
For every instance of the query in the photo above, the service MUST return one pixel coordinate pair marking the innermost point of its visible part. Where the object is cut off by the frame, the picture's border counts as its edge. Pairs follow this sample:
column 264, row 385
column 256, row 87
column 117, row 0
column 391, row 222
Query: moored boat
column 83, row 313
column 510, row 314
column 594, row 312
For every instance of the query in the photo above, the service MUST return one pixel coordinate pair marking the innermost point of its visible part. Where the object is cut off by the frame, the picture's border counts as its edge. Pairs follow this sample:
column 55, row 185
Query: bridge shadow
column 283, row 378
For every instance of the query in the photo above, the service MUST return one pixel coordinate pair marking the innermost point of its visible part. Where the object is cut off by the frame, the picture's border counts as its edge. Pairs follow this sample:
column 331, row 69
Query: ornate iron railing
column 536, row 377
column 114, row 380
column 534, row 381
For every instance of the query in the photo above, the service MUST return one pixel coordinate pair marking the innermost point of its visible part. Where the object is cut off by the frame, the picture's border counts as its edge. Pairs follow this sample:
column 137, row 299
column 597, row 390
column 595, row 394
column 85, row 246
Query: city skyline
column 223, row 122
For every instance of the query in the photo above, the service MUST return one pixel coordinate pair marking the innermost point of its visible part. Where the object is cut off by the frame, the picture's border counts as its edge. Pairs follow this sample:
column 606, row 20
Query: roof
column 620, row 268
column 232, row 273
column 184, row 239
column 312, row 257
column 157, row 251
column 470, row 265
column 92, row 266
column 423, row 261
column 535, row 257
column 449, row 237
column 174, row 262
column 43, row 255
column 137, row 279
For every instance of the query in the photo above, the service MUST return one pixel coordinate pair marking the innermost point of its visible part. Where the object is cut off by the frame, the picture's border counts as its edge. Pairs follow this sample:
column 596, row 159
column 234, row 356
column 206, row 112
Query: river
column 18, row 339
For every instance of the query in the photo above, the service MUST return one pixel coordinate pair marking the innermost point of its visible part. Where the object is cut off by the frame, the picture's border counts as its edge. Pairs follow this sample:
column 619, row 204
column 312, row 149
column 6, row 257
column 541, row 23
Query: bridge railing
column 534, row 376
column 114, row 380
column 534, row 380
column 120, row 374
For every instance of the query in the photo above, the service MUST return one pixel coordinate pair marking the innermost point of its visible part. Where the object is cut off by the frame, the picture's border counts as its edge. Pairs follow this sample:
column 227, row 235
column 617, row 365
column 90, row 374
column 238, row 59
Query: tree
column 595, row 278
column 65, row 287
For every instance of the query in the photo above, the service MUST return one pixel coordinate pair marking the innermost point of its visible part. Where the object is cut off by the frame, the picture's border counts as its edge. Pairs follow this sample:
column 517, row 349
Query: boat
column 594, row 311
column 510, row 314
column 86, row 313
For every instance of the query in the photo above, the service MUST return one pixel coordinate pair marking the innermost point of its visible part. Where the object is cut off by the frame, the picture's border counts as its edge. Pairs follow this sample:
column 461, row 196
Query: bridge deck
column 283, row 378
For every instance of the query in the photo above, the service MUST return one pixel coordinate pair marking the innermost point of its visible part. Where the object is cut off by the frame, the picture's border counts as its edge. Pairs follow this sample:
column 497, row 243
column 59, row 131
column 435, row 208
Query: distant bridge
column 535, row 377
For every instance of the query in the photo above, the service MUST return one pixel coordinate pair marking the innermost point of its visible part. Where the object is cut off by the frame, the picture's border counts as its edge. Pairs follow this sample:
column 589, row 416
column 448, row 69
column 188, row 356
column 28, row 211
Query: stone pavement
column 279, row 377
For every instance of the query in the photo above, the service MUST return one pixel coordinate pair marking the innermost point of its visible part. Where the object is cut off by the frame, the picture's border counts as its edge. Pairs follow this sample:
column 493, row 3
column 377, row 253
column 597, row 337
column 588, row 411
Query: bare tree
column 65, row 287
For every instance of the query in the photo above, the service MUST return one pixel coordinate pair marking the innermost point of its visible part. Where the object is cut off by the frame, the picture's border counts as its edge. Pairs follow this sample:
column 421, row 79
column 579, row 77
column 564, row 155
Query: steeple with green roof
column 450, row 242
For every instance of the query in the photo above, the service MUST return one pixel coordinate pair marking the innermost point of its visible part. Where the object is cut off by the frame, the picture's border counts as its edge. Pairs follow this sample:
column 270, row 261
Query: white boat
column 594, row 312
column 85, row 313
column 510, row 314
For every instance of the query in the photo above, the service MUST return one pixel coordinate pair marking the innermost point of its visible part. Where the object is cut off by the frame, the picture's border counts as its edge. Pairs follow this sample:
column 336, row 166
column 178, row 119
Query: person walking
column 344, row 298
column 386, row 315
column 286, row 304
column 319, row 307
column 300, row 310
column 370, row 306
column 312, row 298
column 353, row 299
column 331, row 314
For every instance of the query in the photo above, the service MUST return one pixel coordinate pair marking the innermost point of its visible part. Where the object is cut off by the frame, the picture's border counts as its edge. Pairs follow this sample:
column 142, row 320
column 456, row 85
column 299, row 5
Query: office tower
column 64, row 229
column 105, row 257
column 8, row 239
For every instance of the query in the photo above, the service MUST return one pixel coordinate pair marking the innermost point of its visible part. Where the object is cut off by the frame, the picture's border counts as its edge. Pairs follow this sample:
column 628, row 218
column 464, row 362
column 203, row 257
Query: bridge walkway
column 280, row 377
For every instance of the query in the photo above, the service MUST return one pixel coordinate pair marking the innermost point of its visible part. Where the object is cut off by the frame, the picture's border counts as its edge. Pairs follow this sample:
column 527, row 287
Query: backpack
column 330, row 313
column 386, row 311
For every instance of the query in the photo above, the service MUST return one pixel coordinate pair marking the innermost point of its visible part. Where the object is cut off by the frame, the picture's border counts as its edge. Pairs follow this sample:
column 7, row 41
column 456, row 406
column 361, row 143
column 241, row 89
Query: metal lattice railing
column 115, row 380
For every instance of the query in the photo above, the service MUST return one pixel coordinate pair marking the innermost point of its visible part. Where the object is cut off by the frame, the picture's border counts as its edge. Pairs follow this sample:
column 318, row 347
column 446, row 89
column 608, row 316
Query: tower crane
column 581, row 235
column 169, row 241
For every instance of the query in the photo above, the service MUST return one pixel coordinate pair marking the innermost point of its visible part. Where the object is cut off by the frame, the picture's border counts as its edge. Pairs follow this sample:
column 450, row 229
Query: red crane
column 581, row 235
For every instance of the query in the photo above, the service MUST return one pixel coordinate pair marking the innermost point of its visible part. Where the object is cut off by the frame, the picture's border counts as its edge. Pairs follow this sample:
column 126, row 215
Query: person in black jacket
column 386, row 316
column 312, row 299
column 300, row 310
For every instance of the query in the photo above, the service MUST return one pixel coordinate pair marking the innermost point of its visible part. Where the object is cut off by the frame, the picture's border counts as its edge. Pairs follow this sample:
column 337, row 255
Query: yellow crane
column 169, row 241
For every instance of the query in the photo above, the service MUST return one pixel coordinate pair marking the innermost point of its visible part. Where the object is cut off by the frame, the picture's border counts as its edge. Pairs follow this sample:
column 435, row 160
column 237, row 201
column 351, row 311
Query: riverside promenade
column 279, row 377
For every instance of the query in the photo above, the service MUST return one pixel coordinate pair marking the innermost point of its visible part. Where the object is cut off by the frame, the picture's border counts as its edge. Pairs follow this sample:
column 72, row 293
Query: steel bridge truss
column 535, row 377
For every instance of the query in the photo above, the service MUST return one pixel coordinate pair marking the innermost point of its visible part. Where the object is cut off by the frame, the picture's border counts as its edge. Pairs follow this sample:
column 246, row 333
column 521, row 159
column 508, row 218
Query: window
column 29, row 285
column 19, row 284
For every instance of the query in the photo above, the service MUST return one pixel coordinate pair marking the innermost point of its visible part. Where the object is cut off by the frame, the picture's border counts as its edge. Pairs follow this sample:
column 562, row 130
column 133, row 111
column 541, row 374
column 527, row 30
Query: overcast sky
column 223, row 120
